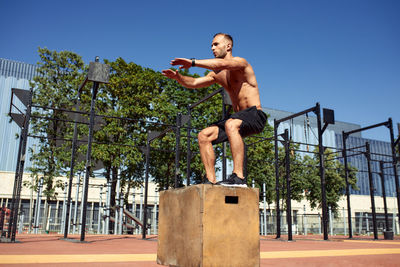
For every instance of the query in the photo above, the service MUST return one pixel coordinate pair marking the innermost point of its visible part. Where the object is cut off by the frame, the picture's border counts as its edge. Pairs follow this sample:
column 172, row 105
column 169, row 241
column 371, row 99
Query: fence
column 53, row 222
column 303, row 224
column 306, row 224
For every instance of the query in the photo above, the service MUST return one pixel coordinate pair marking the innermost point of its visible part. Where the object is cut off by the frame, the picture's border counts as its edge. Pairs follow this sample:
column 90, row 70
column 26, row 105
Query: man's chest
column 230, row 80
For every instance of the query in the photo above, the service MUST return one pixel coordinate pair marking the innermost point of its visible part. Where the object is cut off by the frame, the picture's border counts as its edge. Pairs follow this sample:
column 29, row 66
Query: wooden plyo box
column 207, row 225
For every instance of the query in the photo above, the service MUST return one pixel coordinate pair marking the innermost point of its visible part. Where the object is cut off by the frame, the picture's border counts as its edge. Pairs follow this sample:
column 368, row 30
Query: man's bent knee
column 207, row 135
column 202, row 137
column 232, row 125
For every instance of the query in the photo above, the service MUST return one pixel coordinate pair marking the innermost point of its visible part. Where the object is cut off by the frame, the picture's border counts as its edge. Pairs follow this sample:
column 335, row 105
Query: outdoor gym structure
column 99, row 73
column 367, row 153
column 328, row 119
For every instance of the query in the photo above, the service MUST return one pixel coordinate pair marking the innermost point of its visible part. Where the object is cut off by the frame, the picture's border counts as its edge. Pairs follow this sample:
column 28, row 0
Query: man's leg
column 232, row 127
column 205, row 138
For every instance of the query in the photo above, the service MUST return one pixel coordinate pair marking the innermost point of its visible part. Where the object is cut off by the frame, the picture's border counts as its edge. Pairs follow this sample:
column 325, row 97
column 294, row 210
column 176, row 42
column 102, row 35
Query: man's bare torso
column 241, row 86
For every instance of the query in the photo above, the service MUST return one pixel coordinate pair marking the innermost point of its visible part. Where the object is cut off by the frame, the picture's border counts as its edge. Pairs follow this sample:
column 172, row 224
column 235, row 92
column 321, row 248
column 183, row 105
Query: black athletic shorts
column 253, row 122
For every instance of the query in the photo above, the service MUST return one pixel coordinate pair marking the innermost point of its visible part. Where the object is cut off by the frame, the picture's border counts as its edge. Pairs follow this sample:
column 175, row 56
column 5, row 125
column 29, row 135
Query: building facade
column 13, row 74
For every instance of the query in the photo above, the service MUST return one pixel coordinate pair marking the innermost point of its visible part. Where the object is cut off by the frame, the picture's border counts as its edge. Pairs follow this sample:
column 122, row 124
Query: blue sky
column 344, row 54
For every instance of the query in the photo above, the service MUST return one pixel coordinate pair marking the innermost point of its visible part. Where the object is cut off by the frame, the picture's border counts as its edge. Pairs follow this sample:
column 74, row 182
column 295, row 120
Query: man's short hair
column 227, row 36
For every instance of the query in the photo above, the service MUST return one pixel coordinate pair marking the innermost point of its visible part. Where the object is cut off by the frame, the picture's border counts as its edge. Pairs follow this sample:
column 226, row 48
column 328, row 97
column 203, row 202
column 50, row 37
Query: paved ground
column 49, row 250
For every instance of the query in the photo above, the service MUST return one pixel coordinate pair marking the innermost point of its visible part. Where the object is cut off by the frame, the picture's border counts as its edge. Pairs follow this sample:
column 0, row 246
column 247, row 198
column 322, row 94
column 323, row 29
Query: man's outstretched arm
column 188, row 81
column 215, row 64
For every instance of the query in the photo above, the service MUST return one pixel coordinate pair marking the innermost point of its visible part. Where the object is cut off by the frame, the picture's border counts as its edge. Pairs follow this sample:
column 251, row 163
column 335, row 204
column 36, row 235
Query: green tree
column 334, row 177
column 54, row 88
column 129, row 95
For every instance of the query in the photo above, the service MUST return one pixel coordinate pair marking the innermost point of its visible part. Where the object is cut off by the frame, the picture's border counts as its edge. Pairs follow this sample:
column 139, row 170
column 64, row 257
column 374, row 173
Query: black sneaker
column 206, row 181
column 234, row 180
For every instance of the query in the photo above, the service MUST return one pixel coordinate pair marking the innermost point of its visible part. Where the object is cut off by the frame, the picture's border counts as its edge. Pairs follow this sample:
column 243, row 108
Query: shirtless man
column 236, row 75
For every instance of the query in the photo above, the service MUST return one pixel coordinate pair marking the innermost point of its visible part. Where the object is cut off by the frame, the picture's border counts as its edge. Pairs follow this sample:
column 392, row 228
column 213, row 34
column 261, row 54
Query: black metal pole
column 398, row 144
column 394, row 164
column 288, row 190
column 20, row 170
column 88, row 159
column 322, row 173
column 15, row 189
column 346, row 175
column 371, row 189
column 278, row 211
column 224, row 143
column 177, row 149
column 71, row 174
column 189, row 150
column 2, row 215
column 382, row 174
column 246, row 148
column 146, row 189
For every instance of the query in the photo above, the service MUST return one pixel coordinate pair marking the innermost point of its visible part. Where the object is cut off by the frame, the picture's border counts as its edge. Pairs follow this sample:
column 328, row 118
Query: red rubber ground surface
column 308, row 249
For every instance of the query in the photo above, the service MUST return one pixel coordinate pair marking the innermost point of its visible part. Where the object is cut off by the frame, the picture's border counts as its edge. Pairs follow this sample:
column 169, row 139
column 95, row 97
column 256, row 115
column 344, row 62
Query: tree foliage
column 54, row 88
column 334, row 179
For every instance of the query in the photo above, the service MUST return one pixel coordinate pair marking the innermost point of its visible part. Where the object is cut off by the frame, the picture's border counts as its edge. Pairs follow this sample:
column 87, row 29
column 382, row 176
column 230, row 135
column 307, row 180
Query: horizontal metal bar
column 387, row 162
column 366, row 128
column 206, row 98
column 80, row 141
column 364, row 171
column 356, row 154
column 55, row 119
column 388, row 167
column 103, row 116
column 332, row 159
column 135, row 120
column 62, row 109
column 335, row 148
column 378, row 160
column 161, row 134
column 261, row 137
column 299, row 150
column 296, row 114
column 115, row 117
column 306, row 165
column 379, row 154
column 378, row 173
column 259, row 141
column 330, row 153
column 300, row 143
column 55, row 138
column 356, row 147
column 265, row 161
